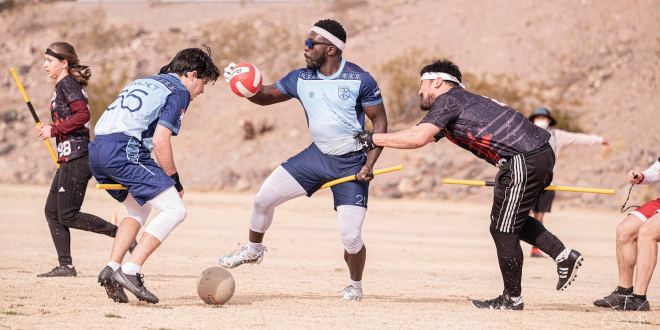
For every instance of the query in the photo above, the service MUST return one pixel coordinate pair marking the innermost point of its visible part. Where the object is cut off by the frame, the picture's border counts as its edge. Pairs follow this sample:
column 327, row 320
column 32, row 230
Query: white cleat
column 242, row 256
column 352, row 293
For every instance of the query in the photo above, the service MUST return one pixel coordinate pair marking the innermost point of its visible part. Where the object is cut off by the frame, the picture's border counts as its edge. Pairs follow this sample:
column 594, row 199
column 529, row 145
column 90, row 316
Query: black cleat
column 616, row 298
column 114, row 290
column 567, row 269
column 634, row 304
column 60, row 271
column 132, row 247
column 503, row 302
column 135, row 285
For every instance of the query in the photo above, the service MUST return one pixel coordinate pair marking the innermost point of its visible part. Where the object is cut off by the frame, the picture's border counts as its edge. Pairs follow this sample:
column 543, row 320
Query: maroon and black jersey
column 70, row 112
column 489, row 129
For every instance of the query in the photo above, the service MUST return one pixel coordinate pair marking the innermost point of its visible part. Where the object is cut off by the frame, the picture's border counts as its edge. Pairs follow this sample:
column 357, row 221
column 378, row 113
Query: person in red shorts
column 636, row 247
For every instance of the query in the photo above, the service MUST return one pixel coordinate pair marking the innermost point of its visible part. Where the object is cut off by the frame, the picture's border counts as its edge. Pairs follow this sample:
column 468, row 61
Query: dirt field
column 426, row 260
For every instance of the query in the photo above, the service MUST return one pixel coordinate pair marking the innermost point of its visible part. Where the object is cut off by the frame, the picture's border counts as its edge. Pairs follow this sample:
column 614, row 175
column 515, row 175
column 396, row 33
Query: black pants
column 63, row 207
column 518, row 184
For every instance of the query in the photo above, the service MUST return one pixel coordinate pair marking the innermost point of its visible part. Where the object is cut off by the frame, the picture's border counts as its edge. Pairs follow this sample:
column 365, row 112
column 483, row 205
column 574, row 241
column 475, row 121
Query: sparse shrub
column 399, row 80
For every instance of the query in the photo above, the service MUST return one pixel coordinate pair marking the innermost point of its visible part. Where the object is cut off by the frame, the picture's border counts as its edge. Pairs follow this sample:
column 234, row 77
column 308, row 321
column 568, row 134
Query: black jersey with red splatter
column 70, row 112
column 489, row 129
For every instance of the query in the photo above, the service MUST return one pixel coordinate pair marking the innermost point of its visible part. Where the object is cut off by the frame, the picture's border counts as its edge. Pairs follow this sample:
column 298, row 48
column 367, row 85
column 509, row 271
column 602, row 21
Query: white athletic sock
column 131, row 269
column 114, row 265
column 563, row 255
column 254, row 248
column 70, row 266
column 516, row 300
column 356, row 284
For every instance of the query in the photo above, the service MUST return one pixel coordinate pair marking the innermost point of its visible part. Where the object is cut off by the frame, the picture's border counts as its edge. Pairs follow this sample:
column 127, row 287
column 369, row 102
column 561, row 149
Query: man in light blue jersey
column 336, row 95
column 150, row 107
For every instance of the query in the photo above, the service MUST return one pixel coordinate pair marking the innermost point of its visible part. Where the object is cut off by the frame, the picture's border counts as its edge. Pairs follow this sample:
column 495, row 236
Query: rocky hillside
column 596, row 63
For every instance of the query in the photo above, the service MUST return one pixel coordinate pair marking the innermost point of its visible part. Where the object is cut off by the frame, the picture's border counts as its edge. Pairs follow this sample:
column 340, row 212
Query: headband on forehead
column 443, row 76
column 54, row 54
column 334, row 40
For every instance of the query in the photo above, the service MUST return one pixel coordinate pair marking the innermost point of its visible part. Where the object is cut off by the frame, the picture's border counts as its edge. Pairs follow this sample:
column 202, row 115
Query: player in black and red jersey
column 503, row 137
column 70, row 113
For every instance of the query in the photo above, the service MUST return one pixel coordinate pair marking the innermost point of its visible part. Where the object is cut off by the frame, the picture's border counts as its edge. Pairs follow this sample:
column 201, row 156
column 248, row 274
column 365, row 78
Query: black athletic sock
column 510, row 258
column 622, row 290
column 636, row 296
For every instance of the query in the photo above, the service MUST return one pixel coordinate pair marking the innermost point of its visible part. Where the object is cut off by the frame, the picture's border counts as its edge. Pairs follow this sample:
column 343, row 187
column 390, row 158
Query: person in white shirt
column 558, row 140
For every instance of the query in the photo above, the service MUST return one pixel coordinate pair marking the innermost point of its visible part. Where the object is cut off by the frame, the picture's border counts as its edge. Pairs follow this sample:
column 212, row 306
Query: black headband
column 54, row 54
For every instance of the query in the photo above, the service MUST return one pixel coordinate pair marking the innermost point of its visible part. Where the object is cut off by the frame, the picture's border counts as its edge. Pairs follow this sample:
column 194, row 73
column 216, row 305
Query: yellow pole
column 329, row 184
column 352, row 177
column 34, row 114
column 110, row 186
column 555, row 188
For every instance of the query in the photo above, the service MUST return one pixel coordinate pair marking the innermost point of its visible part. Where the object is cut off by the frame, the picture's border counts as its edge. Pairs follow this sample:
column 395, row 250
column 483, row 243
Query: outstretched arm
column 412, row 138
column 268, row 95
column 378, row 118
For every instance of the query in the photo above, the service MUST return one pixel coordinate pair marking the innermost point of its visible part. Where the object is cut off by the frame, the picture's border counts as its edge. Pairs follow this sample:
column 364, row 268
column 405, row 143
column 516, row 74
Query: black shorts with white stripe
column 518, row 184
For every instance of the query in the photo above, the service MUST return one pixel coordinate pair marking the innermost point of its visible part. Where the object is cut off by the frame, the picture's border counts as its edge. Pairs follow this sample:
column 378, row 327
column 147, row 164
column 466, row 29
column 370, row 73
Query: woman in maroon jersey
column 70, row 112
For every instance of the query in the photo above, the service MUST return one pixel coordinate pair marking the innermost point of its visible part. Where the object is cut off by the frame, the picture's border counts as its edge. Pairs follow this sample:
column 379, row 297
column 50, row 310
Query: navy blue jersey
column 489, row 129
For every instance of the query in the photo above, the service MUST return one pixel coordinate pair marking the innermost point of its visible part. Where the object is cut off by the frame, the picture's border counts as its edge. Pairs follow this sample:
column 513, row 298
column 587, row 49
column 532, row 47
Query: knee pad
column 135, row 211
column 171, row 213
column 350, row 227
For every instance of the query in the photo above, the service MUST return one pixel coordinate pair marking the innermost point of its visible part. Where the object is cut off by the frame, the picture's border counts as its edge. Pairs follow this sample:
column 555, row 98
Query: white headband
column 334, row 40
column 442, row 75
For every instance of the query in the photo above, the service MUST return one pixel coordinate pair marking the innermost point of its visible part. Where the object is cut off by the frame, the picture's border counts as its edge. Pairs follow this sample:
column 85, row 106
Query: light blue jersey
column 334, row 104
column 144, row 104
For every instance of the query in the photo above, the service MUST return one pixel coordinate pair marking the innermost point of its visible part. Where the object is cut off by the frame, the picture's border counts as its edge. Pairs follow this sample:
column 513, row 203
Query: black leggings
column 65, row 198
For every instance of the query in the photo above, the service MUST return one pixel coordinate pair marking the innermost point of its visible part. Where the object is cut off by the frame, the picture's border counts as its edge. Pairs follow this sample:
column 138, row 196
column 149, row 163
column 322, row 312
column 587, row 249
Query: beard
column 425, row 102
column 316, row 63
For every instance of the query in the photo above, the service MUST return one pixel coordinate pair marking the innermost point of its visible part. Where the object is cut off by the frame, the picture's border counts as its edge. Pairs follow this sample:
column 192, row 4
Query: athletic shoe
column 351, row 293
column 536, row 253
column 634, row 304
column 134, row 284
column 242, row 256
column 567, row 269
column 114, row 291
column 615, row 298
column 60, row 271
column 132, row 247
column 503, row 302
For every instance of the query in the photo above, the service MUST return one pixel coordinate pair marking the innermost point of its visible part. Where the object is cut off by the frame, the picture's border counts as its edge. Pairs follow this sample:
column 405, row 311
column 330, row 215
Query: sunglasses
column 310, row 44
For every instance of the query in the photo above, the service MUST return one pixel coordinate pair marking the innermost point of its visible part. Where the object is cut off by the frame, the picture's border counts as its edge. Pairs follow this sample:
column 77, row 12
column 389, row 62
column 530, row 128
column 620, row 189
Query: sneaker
column 503, row 302
column 351, row 293
column 134, row 284
column 114, row 290
column 567, row 269
column 60, row 271
column 536, row 253
column 634, row 304
column 616, row 298
column 242, row 256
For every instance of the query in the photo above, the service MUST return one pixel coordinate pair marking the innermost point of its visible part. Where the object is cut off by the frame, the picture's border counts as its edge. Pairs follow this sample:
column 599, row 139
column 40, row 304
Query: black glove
column 177, row 184
column 365, row 140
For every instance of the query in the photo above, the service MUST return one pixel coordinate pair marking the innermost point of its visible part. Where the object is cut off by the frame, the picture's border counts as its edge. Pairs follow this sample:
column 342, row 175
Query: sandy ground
column 426, row 260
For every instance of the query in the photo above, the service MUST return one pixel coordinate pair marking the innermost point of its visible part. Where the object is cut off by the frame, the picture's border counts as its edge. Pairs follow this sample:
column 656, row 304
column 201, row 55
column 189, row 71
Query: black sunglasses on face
column 310, row 44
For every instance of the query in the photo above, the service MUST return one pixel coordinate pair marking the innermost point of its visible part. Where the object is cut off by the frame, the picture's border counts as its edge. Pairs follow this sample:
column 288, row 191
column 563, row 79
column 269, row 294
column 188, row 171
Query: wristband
column 177, row 183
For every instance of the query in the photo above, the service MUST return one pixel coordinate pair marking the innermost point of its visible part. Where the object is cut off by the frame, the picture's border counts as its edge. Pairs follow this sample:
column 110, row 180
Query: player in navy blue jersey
column 336, row 95
column 147, row 108
column 501, row 136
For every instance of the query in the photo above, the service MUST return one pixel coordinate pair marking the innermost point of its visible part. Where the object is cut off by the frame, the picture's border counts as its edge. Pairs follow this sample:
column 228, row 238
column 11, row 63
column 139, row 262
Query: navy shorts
column 312, row 169
column 119, row 158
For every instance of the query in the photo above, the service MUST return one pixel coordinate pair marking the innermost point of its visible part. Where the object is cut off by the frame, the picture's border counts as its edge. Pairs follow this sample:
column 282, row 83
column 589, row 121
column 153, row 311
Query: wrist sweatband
column 177, row 184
